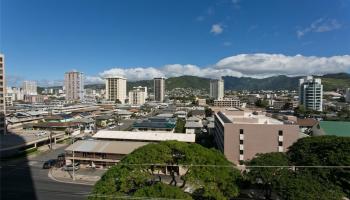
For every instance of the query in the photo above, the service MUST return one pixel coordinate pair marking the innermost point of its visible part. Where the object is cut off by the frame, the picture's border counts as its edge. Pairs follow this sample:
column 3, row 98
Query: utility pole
column 73, row 167
column 50, row 140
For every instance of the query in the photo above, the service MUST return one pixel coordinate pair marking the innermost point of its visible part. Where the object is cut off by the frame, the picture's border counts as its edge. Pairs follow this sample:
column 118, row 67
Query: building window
column 241, row 131
column 280, row 133
column 241, row 158
column 241, row 152
column 240, row 141
column 280, row 143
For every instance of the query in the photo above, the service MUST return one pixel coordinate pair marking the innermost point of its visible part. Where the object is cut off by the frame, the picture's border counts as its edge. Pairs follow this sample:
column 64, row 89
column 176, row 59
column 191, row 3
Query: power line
column 217, row 166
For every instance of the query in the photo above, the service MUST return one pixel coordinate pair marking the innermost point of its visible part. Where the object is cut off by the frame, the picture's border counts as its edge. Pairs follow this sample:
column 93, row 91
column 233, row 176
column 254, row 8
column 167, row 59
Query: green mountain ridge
column 281, row 82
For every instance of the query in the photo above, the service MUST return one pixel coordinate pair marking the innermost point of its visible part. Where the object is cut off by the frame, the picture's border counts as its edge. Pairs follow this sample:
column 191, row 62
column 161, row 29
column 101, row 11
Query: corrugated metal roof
column 103, row 146
column 192, row 124
column 144, row 136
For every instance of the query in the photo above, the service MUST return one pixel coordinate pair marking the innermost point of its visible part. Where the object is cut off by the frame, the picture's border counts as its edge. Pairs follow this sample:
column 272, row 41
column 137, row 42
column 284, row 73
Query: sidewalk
column 59, row 175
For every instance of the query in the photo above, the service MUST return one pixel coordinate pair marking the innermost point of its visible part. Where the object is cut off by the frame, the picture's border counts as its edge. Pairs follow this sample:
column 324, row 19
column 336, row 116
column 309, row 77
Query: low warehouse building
column 99, row 153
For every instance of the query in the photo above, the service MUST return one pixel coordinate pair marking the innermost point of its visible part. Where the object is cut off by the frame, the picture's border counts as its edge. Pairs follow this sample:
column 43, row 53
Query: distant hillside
column 330, row 82
column 334, row 81
column 170, row 83
column 187, row 82
column 270, row 83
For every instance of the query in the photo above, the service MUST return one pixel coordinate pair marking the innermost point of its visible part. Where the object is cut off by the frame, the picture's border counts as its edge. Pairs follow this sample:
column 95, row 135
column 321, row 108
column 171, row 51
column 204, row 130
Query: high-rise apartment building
column 144, row 89
column 16, row 93
column 217, row 89
column 116, row 89
column 2, row 96
column 74, row 86
column 137, row 96
column 29, row 88
column 347, row 93
column 311, row 93
column 159, row 89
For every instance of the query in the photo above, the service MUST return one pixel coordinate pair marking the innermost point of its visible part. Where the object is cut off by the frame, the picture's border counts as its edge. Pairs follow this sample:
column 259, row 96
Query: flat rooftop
column 247, row 117
column 103, row 146
column 144, row 136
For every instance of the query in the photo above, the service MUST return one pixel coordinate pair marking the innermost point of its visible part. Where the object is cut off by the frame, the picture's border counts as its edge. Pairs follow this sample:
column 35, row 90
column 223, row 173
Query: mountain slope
column 329, row 81
column 270, row 83
column 194, row 82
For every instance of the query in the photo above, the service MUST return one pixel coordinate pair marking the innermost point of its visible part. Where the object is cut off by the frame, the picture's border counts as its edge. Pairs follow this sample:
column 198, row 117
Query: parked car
column 111, row 127
column 41, row 133
column 120, row 124
column 50, row 163
column 70, row 167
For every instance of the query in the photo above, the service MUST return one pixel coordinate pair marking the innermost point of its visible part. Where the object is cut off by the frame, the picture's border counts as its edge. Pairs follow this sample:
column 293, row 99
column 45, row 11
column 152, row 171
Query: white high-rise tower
column 311, row 93
column 217, row 89
column 116, row 89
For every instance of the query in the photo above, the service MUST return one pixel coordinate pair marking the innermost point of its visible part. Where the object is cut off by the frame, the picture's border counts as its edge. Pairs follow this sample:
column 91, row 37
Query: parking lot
column 126, row 123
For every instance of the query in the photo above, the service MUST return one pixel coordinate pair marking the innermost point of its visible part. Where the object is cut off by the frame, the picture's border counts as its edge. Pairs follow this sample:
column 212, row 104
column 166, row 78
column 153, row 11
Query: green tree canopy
column 141, row 168
column 267, row 177
column 324, row 151
column 261, row 103
column 286, row 183
column 161, row 190
column 300, row 186
column 180, row 126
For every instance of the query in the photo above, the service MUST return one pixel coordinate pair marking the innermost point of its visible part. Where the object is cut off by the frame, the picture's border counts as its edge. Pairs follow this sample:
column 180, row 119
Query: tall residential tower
column 159, row 89
column 74, row 86
column 138, row 96
column 217, row 89
column 29, row 88
column 310, row 93
column 116, row 89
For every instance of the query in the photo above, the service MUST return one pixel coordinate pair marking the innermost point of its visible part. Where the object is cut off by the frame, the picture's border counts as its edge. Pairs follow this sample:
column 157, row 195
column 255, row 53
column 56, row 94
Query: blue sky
column 41, row 39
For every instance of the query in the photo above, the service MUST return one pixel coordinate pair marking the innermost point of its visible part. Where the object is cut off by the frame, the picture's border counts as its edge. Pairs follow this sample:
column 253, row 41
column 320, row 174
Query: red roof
column 308, row 122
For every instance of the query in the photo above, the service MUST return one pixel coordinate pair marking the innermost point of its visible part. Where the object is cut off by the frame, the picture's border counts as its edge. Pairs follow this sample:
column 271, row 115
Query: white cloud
column 320, row 25
column 253, row 65
column 171, row 70
column 93, row 79
column 136, row 73
column 216, row 29
column 257, row 65
column 262, row 65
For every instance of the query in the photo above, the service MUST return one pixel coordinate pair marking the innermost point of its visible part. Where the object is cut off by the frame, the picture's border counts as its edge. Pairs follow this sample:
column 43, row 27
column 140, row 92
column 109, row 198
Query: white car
column 41, row 133
column 120, row 124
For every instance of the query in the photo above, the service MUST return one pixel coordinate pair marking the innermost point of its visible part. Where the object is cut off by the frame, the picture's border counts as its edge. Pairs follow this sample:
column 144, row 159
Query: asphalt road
column 25, row 179
column 126, row 124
